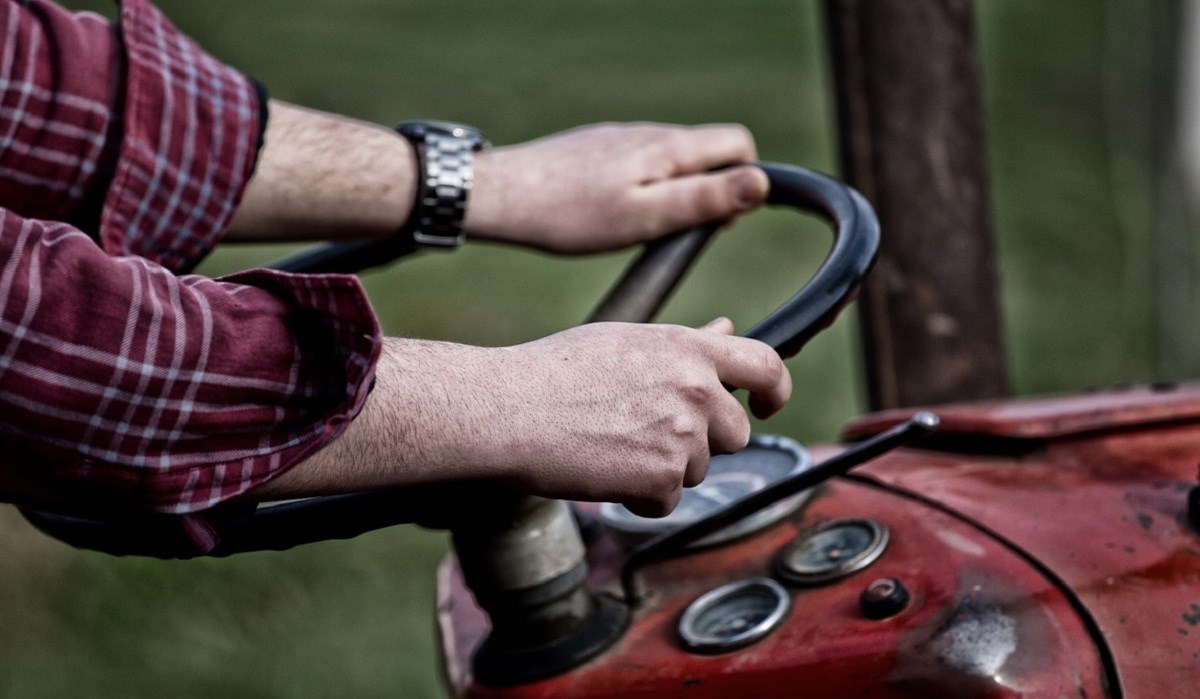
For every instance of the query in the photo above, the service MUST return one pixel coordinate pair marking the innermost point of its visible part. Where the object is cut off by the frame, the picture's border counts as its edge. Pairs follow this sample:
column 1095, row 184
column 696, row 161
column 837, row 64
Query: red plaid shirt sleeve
column 123, row 385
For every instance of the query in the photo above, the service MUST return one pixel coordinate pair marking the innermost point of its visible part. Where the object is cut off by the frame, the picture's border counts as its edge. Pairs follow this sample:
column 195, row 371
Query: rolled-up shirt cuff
column 191, row 129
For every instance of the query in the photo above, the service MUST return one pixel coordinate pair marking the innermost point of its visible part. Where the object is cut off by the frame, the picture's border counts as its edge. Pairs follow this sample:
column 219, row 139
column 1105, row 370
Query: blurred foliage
column 356, row 618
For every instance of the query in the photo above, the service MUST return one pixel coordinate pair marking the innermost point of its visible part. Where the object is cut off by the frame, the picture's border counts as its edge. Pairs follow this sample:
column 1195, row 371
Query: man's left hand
column 604, row 187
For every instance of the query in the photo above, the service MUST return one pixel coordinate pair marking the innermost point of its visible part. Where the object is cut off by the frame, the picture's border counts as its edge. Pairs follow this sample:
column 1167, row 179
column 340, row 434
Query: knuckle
column 610, row 129
column 695, row 389
column 672, row 499
column 741, row 436
column 677, row 335
column 743, row 134
column 697, row 470
column 665, row 479
column 741, row 138
column 650, row 136
column 648, row 129
column 685, row 427
column 768, row 362
column 679, row 140
column 661, row 160
column 736, row 433
column 658, row 505
column 646, row 507
column 712, row 199
column 668, row 149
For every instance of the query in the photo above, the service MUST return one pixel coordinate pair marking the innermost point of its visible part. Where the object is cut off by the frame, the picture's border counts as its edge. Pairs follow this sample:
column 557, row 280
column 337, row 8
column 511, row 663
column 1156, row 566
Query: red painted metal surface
column 1107, row 512
column 1053, row 417
column 1072, row 535
column 827, row 648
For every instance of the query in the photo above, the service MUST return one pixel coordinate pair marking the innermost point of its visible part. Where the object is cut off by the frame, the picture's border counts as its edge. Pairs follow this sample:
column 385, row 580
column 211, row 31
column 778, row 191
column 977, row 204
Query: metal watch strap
column 445, row 161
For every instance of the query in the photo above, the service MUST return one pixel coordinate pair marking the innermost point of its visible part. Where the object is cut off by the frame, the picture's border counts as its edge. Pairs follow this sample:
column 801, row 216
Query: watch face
column 420, row 129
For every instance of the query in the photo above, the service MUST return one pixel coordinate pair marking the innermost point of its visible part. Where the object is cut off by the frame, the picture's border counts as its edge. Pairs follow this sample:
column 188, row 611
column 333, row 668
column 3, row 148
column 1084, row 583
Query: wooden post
column 911, row 118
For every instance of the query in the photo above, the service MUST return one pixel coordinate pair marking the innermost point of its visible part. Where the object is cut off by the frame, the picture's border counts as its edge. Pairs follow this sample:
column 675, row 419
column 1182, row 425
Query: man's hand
column 323, row 176
column 611, row 411
column 619, row 412
column 628, row 413
column 608, row 186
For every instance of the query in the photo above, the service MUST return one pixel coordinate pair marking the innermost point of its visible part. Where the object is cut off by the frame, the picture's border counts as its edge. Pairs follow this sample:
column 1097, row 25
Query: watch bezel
column 422, row 128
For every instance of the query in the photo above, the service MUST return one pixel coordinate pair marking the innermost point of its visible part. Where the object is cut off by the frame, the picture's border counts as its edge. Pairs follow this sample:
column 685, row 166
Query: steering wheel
column 636, row 297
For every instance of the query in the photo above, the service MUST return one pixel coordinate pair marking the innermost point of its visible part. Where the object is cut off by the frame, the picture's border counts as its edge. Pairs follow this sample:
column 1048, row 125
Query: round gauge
column 832, row 550
column 734, row 615
column 765, row 460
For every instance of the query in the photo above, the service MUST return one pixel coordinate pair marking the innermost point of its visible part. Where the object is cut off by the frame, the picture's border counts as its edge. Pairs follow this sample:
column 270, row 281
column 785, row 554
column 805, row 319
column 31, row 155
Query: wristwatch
column 445, row 171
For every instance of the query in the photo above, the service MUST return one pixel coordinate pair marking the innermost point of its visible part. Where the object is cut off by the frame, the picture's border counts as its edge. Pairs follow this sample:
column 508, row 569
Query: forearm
column 608, row 411
column 422, row 423
column 322, row 176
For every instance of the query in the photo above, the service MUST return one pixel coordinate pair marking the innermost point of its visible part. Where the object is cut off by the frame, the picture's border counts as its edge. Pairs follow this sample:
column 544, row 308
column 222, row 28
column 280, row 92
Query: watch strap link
column 445, row 166
column 447, row 178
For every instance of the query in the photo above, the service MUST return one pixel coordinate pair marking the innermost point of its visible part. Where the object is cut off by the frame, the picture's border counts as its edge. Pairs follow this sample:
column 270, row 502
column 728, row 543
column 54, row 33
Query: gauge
column 765, row 460
column 832, row 550
column 734, row 615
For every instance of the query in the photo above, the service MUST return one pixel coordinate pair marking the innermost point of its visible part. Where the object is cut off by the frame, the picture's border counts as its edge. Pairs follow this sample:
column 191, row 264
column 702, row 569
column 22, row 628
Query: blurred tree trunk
column 1173, row 34
column 912, row 141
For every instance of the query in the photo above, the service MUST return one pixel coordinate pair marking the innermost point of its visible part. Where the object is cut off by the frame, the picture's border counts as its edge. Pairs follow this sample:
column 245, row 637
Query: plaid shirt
column 125, row 385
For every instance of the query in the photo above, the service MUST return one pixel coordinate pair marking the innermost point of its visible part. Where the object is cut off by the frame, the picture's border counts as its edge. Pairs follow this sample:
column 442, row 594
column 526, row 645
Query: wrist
column 489, row 200
column 444, row 405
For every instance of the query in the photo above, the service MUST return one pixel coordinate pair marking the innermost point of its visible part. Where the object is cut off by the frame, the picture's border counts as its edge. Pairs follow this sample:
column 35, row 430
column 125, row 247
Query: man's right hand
column 614, row 412
column 628, row 413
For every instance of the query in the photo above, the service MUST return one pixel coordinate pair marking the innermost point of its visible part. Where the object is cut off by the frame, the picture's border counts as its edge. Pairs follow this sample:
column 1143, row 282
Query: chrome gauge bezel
column 877, row 544
column 698, row 642
column 633, row 529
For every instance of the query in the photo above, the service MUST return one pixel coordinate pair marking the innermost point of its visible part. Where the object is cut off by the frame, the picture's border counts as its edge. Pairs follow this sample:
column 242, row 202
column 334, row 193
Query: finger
column 657, row 506
column 697, row 465
column 764, row 408
column 744, row 363
column 728, row 427
column 695, row 149
column 688, row 201
column 719, row 326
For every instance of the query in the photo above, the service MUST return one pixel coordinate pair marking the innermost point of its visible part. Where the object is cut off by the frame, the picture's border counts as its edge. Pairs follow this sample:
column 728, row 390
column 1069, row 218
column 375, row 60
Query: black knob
column 884, row 598
column 1193, row 505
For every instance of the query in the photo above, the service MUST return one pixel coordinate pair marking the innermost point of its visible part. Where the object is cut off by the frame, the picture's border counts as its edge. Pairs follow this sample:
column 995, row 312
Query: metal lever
column 671, row 542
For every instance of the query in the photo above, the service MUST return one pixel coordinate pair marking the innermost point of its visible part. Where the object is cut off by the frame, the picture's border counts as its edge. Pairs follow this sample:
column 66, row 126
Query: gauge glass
column 832, row 550
column 734, row 615
column 766, row 460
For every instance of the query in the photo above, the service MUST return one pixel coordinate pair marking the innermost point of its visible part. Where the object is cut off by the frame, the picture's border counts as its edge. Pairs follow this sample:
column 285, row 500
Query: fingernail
column 748, row 189
column 716, row 321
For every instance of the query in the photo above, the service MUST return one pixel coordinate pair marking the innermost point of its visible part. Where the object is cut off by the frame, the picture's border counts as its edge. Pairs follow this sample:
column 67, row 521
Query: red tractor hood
column 1095, row 489
column 1046, row 543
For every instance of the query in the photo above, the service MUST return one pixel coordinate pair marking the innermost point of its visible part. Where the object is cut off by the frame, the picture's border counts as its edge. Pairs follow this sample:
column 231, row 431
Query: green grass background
column 1071, row 191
